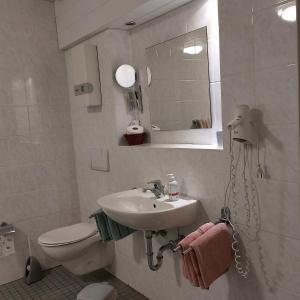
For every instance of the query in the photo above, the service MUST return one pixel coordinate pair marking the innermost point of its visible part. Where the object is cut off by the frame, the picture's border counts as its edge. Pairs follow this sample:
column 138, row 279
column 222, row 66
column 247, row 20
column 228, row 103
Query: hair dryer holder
column 242, row 127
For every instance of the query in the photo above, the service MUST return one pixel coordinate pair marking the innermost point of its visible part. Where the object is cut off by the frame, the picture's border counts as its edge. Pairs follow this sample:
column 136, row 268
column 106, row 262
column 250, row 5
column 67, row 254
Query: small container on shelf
column 135, row 139
column 135, row 134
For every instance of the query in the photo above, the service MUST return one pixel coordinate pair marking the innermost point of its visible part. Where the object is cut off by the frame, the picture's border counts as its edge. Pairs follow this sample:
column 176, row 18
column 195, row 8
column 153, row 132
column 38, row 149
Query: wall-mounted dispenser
column 86, row 75
column 7, row 244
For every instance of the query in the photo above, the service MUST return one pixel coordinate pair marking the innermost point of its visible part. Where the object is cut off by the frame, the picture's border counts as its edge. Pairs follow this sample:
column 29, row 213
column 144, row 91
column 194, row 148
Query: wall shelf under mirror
column 177, row 146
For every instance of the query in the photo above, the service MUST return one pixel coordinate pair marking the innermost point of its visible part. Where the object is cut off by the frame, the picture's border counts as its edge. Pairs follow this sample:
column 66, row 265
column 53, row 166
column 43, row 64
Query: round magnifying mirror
column 126, row 76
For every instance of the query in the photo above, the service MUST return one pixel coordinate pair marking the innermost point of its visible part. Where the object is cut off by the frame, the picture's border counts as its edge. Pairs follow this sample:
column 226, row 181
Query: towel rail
column 225, row 218
column 179, row 248
column 188, row 250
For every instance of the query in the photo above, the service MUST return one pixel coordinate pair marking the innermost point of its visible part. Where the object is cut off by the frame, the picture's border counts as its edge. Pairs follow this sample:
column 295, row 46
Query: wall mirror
column 178, row 83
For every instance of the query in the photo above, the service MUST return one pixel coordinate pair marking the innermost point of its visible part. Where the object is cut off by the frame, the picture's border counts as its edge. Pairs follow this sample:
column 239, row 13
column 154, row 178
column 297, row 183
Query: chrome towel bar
column 179, row 248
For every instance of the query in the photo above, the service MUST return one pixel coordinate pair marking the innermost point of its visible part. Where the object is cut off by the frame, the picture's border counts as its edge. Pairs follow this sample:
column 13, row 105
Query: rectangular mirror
column 178, row 83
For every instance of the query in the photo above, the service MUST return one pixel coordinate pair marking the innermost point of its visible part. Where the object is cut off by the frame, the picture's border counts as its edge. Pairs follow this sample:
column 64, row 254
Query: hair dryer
column 242, row 126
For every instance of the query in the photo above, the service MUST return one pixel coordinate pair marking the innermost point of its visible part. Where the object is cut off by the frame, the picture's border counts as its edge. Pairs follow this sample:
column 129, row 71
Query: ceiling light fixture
column 130, row 23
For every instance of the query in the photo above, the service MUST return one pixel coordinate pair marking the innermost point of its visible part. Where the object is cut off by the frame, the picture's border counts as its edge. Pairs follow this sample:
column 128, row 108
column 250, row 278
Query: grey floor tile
column 59, row 284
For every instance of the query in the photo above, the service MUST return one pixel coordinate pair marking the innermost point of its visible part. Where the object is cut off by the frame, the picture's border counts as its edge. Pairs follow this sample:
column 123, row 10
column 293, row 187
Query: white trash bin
column 98, row 291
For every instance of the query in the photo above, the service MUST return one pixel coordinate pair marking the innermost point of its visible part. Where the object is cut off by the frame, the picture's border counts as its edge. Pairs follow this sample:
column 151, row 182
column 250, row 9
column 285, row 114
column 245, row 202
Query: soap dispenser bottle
column 173, row 188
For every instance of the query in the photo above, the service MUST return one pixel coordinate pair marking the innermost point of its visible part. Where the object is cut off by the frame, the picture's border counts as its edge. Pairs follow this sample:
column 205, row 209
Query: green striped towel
column 109, row 229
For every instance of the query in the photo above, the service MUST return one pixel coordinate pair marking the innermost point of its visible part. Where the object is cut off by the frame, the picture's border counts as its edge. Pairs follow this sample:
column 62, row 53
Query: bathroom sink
column 141, row 210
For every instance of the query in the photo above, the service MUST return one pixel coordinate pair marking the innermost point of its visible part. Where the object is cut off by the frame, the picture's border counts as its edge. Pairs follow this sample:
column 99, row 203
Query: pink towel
column 189, row 272
column 212, row 253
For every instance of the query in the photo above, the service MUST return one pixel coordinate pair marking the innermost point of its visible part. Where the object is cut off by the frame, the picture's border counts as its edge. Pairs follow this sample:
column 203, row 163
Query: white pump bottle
column 173, row 188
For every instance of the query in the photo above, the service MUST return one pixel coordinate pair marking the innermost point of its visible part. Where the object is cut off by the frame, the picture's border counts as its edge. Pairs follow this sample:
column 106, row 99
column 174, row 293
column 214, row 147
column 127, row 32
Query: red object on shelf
column 135, row 139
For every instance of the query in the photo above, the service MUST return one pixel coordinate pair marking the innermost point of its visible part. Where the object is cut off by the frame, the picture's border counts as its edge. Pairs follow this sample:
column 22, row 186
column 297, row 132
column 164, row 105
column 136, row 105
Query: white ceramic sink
column 141, row 210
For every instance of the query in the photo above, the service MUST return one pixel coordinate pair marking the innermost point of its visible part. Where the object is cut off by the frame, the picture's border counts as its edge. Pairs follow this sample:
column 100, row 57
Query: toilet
column 78, row 248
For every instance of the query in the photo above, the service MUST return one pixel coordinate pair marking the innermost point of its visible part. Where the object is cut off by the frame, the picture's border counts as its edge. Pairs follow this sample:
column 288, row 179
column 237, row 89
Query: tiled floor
column 59, row 284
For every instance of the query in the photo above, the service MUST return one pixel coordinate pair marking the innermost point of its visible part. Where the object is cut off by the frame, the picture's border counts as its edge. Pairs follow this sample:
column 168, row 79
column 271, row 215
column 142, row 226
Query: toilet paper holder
column 6, row 228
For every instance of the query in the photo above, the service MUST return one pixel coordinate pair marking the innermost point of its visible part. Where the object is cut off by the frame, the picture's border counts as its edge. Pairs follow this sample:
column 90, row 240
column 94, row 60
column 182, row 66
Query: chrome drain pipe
column 171, row 245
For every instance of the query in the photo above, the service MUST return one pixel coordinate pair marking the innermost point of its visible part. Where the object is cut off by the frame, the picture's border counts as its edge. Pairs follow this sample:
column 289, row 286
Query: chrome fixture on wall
column 127, row 77
column 157, row 188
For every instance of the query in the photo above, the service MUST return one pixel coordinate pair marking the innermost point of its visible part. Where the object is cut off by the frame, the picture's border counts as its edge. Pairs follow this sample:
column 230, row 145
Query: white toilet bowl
column 77, row 247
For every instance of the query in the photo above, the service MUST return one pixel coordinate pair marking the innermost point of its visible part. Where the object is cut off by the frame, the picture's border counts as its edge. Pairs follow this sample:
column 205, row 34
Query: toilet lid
column 68, row 234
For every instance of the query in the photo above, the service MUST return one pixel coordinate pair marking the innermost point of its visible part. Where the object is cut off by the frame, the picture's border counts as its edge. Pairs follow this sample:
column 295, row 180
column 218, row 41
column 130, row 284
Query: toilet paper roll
column 134, row 129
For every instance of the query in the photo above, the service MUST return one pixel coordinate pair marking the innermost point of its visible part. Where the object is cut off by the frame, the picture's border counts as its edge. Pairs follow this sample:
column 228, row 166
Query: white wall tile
column 40, row 122
column 276, row 261
column 237, row 89
column 45, row 176
column 18, row 207
column 274, row 45
column 23, row 178
column 233, row 11
column 277, row 93
column 22, row 150
column 5, row 181
column 34, row 126
column 4, row 152
column 279, row 207
column 237, row 46
column 13, row 87
column 279, row 152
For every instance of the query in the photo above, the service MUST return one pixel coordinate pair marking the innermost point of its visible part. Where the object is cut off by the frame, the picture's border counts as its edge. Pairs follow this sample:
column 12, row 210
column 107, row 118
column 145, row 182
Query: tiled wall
column 38, row 189
column 259, row 68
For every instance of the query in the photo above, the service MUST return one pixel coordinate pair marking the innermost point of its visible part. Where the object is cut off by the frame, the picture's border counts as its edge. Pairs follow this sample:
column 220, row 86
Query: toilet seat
column 78, row 248
column 68, row 235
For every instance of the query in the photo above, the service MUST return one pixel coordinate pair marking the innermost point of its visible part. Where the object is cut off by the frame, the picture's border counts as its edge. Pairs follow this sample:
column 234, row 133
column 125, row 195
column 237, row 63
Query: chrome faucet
column 158, row 188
